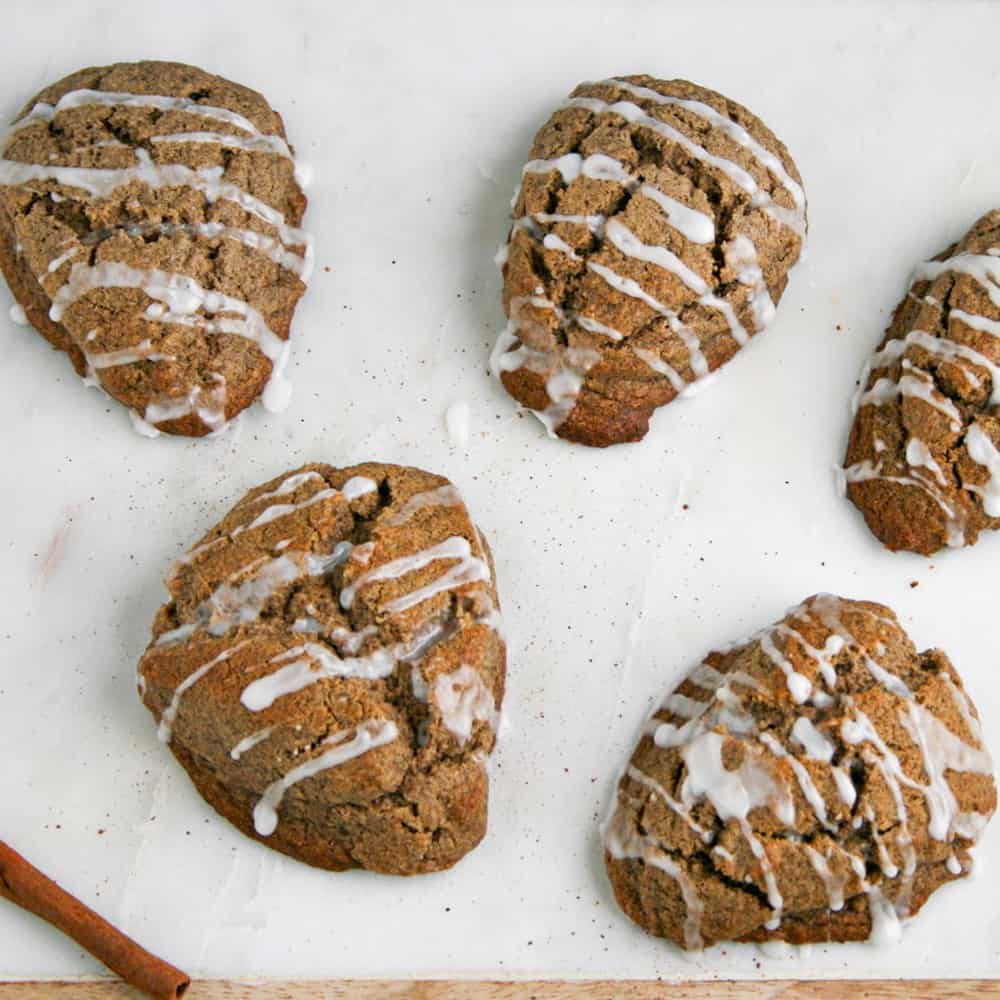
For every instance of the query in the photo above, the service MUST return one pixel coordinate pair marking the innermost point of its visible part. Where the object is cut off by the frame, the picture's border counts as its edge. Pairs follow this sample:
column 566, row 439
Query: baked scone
column 330, row 667
column 148, row 227
column 654, row 228
column 816, row 783
column 922, row 462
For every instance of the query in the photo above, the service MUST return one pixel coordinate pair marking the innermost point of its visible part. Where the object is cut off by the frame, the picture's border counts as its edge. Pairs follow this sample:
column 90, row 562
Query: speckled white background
column 415, row 118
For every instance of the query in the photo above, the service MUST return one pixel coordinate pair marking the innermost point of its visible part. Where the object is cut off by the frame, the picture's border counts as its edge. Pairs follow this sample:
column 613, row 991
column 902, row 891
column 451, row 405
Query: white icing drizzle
column 623, row 843
column 143, row 351
column 815, row 744
column 208, row 404
column 179, row 634
column 941, row 751
column 689, row 222
column 288, row 485
column 456, row 421
column 252, row 144
column 808, row 788
column 310, row 663
column 595, row 326
column 441, row 496
column 627, row 286
column 794, row 219
column 918, row 455
column 367, row 736
column 597, row 167
column 867, row 470
column 44, row 112
column 418, row 684
column 799, row 686
column 629, row 244
column 277, row 510
column 741, row 255
column 17, row 315
column 358, row 486
column 564, row 368
column 984, row 268
column 654, row 361
column 677, row 807
column 463, row 699
column 980, row 323
column 730, row 128
column 833, row 884
column 271, row 247
column 99, row 182
column 733, row 794
column 313, row 662
column 916, row 387
column 181, row 295
column 230, row 605
column 467, row 569
column 169, row 716
column 942, row 347
column 249, row 742
column 57, row 262
column 984, row 452
column 552, row 242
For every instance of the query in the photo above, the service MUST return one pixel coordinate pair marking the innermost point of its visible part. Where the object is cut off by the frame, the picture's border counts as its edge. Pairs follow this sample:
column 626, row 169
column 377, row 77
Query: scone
column 816, row 783
column 654, row 229
column 330, row 668
column 922, row 462
column 149, row 219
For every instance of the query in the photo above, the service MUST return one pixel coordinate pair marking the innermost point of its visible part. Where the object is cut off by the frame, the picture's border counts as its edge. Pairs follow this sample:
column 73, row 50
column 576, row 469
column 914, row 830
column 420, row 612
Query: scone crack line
column 45, row 112
column 269, row 246
column 99, row 182
column 728, row 126
column 794, row 218
column 368, row 735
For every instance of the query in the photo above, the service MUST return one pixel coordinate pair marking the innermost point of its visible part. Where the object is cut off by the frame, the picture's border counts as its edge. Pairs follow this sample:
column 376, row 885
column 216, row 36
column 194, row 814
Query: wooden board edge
column 395, row 989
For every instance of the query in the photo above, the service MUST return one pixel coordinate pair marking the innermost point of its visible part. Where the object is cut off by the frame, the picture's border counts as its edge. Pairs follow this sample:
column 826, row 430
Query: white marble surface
column 414, row 118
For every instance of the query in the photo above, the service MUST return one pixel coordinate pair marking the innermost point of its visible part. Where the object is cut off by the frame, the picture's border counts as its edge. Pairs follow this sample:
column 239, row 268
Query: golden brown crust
column 698, row 282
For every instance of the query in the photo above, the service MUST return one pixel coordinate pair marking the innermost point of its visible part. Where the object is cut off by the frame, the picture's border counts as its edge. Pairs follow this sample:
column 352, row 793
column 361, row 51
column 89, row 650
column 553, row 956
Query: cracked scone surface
column 654, row 229
column 922, row 462
column 816, row 783
column 330, row 668
column 148, row 227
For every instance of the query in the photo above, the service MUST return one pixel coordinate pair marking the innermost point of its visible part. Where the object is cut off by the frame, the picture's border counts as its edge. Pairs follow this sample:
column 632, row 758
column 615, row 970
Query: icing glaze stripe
column 369, row 735
column 43, row 112
column 169, row 716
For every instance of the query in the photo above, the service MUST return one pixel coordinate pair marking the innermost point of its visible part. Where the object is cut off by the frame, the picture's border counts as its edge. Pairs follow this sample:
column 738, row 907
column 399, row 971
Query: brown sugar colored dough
column 922, row 462
column 654, row 229
column 148, row 227
column 816, row 783
column 330, row 667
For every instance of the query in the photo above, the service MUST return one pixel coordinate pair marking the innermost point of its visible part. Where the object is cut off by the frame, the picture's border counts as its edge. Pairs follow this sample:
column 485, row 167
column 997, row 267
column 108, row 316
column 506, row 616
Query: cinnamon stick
column 25, row 885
